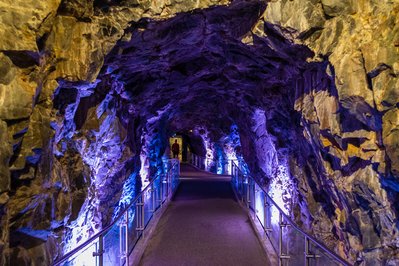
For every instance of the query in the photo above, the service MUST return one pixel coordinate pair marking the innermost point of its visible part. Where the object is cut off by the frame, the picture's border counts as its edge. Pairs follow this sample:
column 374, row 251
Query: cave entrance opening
column 188, row 145
column 179, row 140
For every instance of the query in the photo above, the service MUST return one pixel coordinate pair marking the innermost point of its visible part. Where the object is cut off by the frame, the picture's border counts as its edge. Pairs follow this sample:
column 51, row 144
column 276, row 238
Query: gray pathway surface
column 204, row 225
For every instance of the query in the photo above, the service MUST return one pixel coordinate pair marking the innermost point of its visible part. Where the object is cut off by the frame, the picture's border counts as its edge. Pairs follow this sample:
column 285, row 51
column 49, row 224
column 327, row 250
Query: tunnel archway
column 255, row 88
column 197, row 71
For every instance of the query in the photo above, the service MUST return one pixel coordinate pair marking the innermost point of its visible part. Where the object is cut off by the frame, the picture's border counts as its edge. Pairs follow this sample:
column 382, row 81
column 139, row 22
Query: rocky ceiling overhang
column 91, row 90
column 198, row 66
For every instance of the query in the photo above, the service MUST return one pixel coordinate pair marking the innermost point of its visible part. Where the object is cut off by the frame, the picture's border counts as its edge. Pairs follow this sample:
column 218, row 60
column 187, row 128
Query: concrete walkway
column 204, row 225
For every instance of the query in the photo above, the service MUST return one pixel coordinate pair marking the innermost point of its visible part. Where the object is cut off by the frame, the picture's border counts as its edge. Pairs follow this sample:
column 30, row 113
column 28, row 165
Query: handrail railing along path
column 198, row 161
column 114, row 244
column 204, row 163
column 292, row 245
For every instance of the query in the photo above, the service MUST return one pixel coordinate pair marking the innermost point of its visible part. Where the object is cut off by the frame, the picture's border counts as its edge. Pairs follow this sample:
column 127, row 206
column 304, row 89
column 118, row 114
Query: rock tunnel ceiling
column 196, row 64
column 306, row 91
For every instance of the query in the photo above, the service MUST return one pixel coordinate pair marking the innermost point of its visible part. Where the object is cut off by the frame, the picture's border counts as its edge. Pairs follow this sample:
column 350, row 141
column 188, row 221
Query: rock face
column 63, row 140
column 351, row 120
column 305, row 91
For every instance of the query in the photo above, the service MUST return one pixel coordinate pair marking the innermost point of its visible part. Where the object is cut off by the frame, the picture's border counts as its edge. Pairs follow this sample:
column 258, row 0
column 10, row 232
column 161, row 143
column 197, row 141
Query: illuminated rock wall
column 66, row 152
column 90, row 90
column 349, row 111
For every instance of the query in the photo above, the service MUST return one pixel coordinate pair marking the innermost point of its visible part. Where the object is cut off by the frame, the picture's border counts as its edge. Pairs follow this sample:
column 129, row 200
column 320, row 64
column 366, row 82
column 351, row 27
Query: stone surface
column 22, row 22
column 5, row 153
column 16, row 95
column 333, row 8
column 6, row 69
column 308, row 15
column 4, row 159
column 305, row 91
column 355, row 134
column 390, row 137
column 53, row 152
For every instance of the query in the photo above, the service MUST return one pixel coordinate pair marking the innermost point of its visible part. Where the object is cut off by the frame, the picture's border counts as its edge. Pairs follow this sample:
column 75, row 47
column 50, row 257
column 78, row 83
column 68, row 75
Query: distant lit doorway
column 179, row 140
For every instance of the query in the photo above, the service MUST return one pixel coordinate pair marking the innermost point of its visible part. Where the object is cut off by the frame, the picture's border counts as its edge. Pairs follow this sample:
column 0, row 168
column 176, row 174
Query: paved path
column 204, row 225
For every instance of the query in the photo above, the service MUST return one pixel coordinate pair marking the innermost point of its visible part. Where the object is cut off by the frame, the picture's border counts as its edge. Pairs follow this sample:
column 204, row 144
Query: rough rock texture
column 305, row 91
column 62, row 140
column 351, row 123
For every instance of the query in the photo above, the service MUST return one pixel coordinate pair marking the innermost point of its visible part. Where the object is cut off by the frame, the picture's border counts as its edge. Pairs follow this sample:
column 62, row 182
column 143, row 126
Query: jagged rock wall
column 312, row 86
column 50, row 155
column 349, row 108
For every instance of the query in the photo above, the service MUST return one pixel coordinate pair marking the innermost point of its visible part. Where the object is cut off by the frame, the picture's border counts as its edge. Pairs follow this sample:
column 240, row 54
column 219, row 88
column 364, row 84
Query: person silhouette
column 175, row 149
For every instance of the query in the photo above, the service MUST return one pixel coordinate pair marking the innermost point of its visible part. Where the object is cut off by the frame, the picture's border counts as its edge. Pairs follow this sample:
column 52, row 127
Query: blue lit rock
column 355, row 138
column 73, row 45
column 89, row 87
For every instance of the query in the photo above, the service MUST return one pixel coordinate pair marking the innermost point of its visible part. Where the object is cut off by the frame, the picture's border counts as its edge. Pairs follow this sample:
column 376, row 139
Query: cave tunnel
column 303, row 95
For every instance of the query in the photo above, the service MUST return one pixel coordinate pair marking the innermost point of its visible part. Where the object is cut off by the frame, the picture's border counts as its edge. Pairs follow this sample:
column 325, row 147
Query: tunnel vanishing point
column 303, row 93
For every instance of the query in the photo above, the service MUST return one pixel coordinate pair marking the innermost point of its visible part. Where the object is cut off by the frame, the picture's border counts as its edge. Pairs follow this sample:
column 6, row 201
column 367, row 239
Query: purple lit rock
column 89, row 87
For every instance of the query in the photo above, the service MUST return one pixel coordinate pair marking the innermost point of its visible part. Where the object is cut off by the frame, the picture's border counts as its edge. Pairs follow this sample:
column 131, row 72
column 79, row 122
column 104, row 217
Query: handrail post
column 161, row 191
column 127, row 238
column 142, row 214
column 123, row 239
column 306, row 251
column 243, row 187
column 308, row 254
column 280, row 241
column 100, row 251
column 178, row 169
column 169, row 185
column 281, row 253
column 267, row 214
column 242, row 180
column 153, row 195
column 177, row 173
column 248, row 185
column 139, row 215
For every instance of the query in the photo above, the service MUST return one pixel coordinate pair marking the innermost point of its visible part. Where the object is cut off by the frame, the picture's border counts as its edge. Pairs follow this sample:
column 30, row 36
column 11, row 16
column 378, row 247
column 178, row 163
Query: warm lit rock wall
column 351, row 122
column 71, row 133
column 50, row 156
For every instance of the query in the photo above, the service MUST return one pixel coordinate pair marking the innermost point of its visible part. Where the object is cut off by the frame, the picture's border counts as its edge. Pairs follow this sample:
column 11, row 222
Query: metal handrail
column 205, row 158
column 198, row 161
column 292, row 223
column 107, row 228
